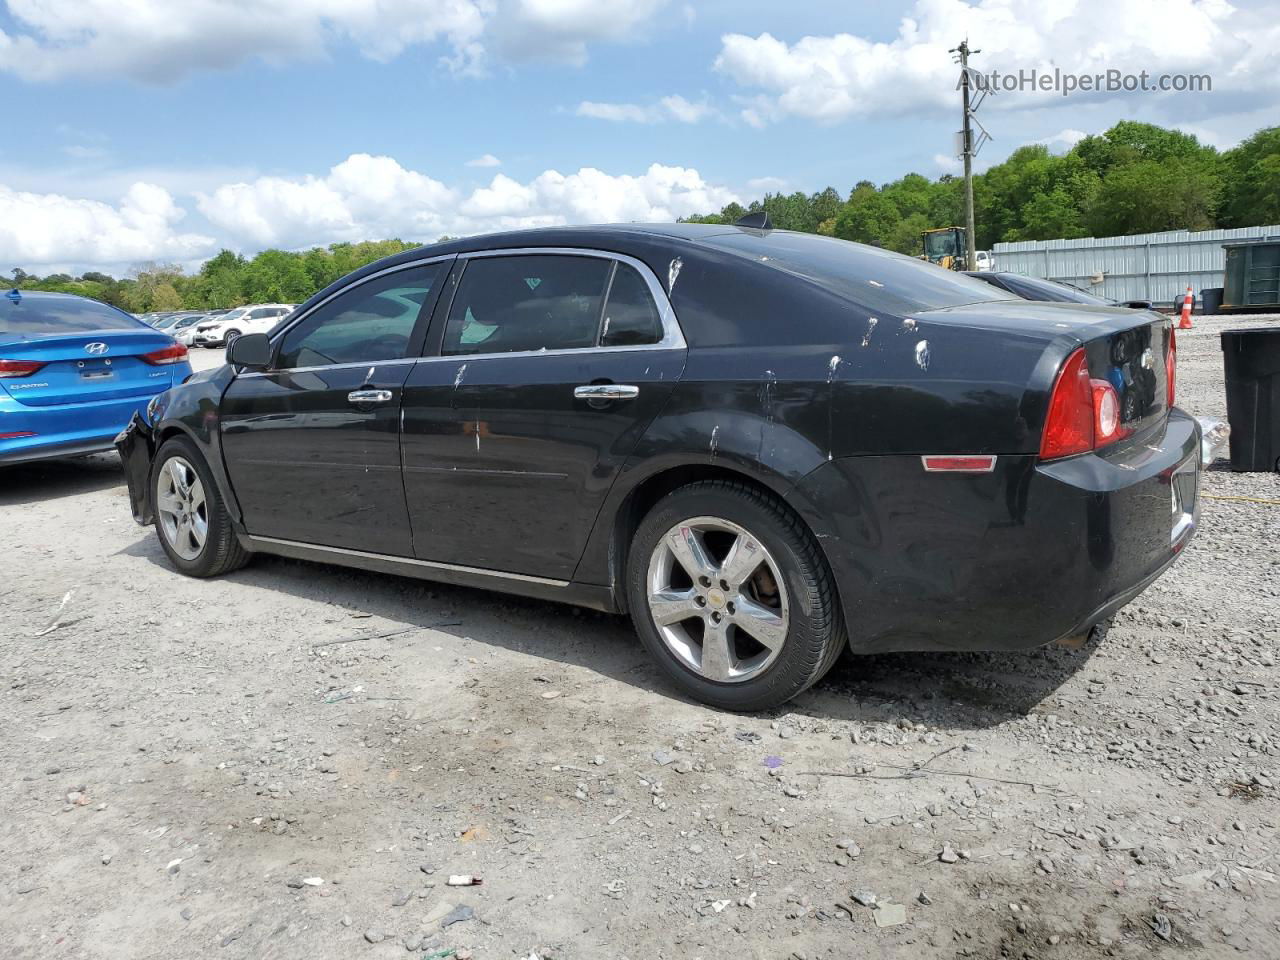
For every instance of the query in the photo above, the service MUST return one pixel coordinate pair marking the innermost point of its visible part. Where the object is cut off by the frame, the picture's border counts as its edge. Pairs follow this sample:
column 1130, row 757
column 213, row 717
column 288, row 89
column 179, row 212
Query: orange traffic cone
column 1184, row 322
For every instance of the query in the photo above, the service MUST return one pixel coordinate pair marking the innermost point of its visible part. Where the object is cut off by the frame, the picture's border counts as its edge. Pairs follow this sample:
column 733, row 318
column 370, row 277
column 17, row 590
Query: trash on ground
column 464, row 880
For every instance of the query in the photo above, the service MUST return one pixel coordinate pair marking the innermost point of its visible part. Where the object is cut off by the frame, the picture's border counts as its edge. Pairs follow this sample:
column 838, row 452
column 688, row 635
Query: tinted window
column 527, row 303
column 630, row 315
column 34, row 316
column 874, row 278
column 372, row 321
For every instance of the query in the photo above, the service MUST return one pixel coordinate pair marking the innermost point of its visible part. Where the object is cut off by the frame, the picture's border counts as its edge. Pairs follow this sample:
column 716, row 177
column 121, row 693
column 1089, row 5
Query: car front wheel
column 730, row 594
column 191, row 519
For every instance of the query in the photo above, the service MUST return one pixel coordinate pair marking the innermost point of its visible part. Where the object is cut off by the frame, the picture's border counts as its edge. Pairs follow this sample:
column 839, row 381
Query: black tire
column 816, row 630
column 221, row 552
column 230, row 336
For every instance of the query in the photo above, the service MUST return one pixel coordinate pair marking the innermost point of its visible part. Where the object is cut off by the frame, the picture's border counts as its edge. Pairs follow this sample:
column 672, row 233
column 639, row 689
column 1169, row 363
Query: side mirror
column 1137, row 304
column 252, row 350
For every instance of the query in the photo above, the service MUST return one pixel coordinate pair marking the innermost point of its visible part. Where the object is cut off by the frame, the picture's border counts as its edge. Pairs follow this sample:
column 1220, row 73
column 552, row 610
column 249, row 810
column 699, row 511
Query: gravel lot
column 293, row 760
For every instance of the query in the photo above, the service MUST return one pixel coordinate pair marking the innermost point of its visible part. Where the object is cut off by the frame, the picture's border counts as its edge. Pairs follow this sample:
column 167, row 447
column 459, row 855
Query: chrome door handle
column 369, row 396
column 606, row 391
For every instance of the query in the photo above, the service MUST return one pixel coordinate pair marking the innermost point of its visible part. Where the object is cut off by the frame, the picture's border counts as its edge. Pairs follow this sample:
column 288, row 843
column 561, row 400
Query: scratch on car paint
column 922, row 354
column 908, row 324
column 767, row 426
column 715, row 441
column 673, row 273
column 368, row 377
column 871, row 328
column 457, row 381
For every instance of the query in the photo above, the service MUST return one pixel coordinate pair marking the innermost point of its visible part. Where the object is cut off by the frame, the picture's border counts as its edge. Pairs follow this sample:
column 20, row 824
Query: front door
column 312, row 446
column 557, row 365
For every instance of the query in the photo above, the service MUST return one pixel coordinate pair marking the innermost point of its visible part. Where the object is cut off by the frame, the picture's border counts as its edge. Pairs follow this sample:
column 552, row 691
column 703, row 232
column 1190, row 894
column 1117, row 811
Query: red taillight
column 1106, row 414
column 1069, row 426
column 13, row 369
column 174, row 354
column 1171, row 366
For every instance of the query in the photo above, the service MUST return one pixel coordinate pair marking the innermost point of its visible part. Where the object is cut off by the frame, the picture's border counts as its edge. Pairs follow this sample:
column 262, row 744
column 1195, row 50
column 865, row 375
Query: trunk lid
column 89, row 366
column 1126, row 348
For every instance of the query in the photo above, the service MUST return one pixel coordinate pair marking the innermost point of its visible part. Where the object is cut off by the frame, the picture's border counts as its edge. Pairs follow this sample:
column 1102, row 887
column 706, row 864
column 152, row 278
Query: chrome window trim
column 406, row 561
column 672, row 335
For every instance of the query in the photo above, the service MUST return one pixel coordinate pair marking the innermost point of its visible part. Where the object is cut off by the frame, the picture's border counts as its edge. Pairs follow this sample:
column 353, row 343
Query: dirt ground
column 292, row 761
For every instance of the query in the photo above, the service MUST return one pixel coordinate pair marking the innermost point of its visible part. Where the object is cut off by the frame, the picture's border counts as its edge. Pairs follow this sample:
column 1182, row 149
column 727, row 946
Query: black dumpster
column 1211, row 300
column 1252, row 362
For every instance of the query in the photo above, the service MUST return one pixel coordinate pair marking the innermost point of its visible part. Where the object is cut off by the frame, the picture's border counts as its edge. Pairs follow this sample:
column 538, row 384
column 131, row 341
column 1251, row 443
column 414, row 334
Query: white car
column 255, row 318
column 984, row 260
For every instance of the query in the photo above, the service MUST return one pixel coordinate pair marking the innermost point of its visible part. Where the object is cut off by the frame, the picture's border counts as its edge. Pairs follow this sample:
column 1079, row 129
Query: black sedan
column 766, row 447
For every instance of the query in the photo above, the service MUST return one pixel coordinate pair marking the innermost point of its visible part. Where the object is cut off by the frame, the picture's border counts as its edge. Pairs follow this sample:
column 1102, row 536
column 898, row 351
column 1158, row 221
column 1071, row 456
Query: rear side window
column 527, row 303
column 372, row 321
column 52, row 316
column 630, row 315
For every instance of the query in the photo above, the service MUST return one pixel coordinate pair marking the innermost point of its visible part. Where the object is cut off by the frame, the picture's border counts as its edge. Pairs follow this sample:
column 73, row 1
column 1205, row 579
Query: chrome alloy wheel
column 181, row 510
column 717, row 599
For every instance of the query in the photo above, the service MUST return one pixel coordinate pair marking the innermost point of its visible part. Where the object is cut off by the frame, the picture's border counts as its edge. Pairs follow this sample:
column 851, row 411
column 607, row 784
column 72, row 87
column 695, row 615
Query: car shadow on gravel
column 947, row 691
column 45, row 480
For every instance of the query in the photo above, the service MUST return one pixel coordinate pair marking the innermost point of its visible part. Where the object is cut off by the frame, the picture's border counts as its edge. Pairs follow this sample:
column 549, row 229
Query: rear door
column 312, row 446
column 71, row 350
column 558, row 363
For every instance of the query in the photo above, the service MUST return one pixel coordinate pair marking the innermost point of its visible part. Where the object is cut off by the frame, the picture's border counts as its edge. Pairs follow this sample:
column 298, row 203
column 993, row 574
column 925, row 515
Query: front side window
column 527, row 303
column 372, row 321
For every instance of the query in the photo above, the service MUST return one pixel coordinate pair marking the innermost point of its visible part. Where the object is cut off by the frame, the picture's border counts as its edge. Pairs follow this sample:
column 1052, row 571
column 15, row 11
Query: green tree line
column 1135, row 178
column 227, row 280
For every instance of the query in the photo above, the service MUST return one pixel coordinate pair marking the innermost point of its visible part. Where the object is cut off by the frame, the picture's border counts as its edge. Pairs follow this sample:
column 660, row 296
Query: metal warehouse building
column 1147, row 266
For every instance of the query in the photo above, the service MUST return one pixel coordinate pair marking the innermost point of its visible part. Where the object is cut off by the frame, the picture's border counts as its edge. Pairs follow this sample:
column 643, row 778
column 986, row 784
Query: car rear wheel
column 730, row 594
column 231, row 336
column 191, row 519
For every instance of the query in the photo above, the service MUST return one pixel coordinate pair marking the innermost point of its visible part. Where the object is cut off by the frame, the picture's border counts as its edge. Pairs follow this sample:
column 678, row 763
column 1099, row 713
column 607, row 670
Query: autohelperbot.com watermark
column 1065, row 83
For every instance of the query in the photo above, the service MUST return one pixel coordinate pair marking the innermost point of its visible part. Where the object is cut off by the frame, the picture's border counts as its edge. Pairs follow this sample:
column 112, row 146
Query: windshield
column 1034, row 288
column 938, row 245
column 51, row 316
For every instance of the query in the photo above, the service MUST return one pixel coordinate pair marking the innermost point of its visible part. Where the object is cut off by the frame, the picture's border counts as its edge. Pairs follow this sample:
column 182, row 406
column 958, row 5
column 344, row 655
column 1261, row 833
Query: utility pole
column 966, row 139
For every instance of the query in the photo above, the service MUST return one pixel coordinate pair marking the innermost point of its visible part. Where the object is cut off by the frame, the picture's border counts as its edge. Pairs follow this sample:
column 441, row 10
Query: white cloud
column 832, row 78
column 160, row 41
column 51, row 230
column 485, row 160
column 367, row 197
column 79, row 151
column 560, row 30
column 947, row 163
column 674, row 107
column 1063, row 140
column 767, row 184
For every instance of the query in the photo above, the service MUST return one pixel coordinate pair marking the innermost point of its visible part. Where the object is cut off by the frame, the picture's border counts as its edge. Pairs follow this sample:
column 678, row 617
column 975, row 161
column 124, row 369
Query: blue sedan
column 73, row 371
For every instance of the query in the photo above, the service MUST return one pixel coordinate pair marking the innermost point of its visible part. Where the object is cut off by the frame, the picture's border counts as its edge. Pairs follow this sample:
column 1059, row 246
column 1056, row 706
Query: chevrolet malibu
column 765, row 447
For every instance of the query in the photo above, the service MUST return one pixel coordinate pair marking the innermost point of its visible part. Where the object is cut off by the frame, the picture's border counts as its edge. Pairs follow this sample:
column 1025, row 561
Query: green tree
column 1252, row 181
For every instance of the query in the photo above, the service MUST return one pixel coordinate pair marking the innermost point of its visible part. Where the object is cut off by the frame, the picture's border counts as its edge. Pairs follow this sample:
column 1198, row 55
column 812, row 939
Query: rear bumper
column 64, row 430
column 1017, row 558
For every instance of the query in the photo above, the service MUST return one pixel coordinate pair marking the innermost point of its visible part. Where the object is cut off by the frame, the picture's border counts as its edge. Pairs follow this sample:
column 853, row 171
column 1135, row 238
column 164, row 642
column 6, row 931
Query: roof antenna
column 756, row 221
